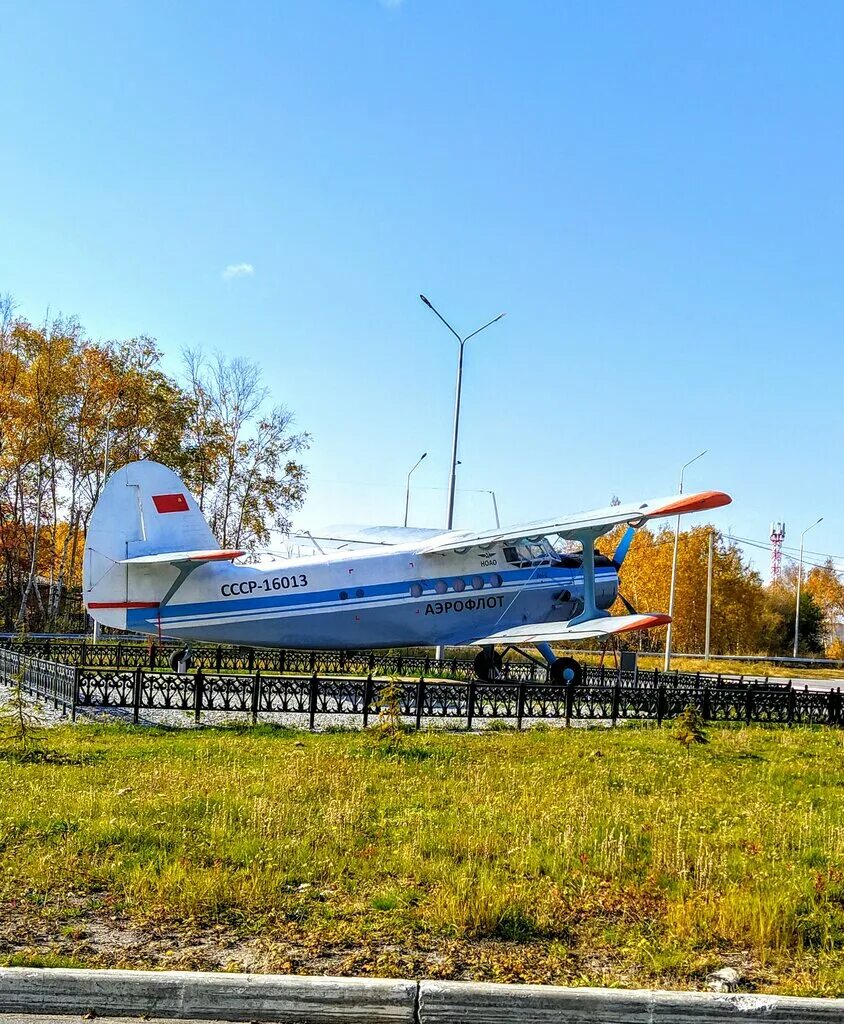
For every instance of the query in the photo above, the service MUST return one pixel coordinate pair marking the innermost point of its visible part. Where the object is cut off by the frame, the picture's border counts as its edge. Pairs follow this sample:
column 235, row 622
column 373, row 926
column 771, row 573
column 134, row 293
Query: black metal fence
column 40, row 678
column 257, row 693
column 122, row 654
column 216, row 659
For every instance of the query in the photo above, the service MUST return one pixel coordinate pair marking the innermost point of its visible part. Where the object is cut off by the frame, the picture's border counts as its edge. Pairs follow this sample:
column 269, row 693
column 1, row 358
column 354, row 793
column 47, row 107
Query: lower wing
column 549, row 632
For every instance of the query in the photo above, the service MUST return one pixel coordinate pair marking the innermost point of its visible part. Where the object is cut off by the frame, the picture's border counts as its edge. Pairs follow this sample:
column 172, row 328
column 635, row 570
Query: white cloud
column 238, row 270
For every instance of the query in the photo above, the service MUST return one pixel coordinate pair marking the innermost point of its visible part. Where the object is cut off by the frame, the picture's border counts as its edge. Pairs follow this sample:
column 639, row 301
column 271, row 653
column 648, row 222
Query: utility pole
column 709, row 595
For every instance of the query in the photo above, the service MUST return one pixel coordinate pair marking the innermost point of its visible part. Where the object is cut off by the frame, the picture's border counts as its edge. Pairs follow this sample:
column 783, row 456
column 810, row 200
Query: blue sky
column 653, row 192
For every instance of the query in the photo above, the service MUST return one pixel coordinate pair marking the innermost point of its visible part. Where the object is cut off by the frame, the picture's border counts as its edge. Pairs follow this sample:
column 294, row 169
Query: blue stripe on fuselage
column 398, row 588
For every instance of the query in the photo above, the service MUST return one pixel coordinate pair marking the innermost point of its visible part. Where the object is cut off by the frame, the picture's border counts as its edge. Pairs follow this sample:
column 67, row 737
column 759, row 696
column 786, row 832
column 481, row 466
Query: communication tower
column 777, row 537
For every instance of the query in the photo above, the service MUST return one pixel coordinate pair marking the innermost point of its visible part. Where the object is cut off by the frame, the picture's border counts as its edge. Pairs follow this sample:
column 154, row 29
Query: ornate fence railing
column 217, row 659
column 45, row 680
column 258, row 693
column 222, row 658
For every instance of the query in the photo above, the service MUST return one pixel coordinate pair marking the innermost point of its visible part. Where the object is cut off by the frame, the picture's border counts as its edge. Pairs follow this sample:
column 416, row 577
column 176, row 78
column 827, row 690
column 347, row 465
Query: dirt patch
column 101, row 940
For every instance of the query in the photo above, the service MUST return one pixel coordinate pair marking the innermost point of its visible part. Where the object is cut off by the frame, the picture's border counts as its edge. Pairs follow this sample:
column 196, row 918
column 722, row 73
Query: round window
column 477, row 583
column 495, row 580
column 415, row 589
column 459, row 585
column 358, row 592
column 344, row 595
column 441, row 587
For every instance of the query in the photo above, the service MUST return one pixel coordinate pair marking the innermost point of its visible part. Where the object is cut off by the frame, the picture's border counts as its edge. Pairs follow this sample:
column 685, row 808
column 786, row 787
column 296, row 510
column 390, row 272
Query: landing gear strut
column 488, row 664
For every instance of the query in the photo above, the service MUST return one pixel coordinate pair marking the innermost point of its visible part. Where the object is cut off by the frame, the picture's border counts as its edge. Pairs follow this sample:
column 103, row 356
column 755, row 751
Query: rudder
column 144, row 509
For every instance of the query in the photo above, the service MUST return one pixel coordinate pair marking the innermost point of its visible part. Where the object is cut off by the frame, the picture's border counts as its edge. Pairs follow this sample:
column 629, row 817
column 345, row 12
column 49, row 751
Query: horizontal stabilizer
column 177, row 557
column 551, row 632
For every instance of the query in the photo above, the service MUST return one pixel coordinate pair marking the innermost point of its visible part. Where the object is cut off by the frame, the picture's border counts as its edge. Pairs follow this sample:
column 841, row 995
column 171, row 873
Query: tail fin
column 144, row 510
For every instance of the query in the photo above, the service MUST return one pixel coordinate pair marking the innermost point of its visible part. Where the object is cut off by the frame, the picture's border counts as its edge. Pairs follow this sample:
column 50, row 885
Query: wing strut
column 590, row 610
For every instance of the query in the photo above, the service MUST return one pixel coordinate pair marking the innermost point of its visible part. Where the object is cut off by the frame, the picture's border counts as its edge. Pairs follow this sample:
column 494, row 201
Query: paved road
column 56, row 1018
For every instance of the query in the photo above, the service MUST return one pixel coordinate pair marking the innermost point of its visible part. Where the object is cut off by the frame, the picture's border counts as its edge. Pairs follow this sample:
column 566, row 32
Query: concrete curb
column 294, row 999
column 441, row 1002
column 287, row 999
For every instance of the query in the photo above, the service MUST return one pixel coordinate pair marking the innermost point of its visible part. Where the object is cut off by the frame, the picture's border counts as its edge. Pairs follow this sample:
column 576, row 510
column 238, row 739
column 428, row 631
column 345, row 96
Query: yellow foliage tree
column 738, row 593
column 827, row 590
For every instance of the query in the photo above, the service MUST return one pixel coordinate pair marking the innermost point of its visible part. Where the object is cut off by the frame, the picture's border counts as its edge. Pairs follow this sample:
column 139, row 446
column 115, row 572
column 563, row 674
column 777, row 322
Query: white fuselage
column 364, row 599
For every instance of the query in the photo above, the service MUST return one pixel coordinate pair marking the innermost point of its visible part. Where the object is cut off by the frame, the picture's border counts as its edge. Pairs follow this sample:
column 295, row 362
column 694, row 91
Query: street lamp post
column 799, row 581
column 407, row 491
column 495, row 510
column 709, row 595
column 452, row 481
column 111, row 408
column 667, row 662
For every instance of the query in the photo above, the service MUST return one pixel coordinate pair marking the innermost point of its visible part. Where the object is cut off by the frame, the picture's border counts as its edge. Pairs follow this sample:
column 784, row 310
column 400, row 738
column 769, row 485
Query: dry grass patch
column 505, row 856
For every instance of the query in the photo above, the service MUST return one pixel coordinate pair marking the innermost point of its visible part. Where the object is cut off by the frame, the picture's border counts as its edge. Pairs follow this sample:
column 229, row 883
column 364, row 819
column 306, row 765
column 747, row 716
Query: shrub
column 689, row 727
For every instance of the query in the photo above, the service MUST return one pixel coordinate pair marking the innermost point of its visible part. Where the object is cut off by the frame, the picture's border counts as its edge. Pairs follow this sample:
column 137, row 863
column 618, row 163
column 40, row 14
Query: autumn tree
column 69, row 405
column 241, row 454
column 738, row 594
column 823, row 583
column 777, row 622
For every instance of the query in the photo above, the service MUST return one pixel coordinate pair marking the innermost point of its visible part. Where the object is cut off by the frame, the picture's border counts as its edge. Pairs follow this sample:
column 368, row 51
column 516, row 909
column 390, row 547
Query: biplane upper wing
column 571, row 631
column 378, row 536
column 576, row 527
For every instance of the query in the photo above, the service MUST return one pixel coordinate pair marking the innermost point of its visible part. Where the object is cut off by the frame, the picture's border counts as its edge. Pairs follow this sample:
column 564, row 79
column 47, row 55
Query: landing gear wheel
column 563, row 671
column 488, row 664
column 183, row 656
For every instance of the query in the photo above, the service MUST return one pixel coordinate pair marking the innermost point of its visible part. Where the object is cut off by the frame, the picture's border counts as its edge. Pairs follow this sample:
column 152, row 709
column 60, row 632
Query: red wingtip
column 647, row 622
column 693, row 503
column 217, row 556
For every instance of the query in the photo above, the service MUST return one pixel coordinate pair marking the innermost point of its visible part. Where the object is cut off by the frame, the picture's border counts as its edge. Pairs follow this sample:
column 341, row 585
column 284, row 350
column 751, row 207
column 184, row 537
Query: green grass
column 571, row 856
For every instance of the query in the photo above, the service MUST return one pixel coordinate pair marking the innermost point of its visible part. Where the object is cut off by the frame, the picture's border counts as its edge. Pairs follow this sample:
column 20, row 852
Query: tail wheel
column 565, row 671
column 488, row 664
column 183, row 655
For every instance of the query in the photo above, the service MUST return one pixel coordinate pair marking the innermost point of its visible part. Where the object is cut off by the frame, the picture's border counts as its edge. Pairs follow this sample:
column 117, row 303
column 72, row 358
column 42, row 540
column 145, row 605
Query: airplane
column 152, row 565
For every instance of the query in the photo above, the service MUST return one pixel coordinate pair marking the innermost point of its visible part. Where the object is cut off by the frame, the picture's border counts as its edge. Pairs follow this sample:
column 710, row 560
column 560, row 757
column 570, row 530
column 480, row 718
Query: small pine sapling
column 389, row 726
column 21, row 726
column 689, row 728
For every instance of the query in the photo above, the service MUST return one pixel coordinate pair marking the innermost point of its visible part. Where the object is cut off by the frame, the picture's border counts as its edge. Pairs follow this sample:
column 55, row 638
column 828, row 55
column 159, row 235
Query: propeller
column 617, row 560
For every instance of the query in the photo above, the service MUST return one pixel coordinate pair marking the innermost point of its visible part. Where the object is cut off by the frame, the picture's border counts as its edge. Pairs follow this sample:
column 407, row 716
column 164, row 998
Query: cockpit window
column 525, row 552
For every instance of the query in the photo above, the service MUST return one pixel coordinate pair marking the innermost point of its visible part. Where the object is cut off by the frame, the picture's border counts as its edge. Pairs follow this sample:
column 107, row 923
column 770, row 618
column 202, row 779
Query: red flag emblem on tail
column 170, row 503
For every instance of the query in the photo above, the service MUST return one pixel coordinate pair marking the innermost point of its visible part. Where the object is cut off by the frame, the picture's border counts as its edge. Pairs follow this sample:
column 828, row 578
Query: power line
column 763, row 546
